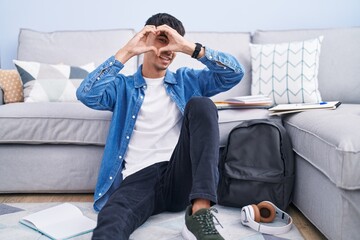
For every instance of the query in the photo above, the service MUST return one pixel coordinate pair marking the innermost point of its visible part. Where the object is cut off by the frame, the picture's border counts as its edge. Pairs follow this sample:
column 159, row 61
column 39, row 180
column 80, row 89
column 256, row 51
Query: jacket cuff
column 217, row 59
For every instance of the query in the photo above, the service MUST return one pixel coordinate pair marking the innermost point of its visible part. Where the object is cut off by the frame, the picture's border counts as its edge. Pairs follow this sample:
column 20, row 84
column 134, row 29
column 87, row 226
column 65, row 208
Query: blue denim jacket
column 106, row 89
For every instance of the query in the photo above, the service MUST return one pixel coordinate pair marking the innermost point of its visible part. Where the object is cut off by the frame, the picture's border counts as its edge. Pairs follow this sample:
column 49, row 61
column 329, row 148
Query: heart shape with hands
column 160, row 39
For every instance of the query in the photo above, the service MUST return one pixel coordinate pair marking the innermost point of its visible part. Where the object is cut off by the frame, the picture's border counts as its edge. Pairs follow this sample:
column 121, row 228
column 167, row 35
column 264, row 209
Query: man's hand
column 138, row 44
column 177, row 43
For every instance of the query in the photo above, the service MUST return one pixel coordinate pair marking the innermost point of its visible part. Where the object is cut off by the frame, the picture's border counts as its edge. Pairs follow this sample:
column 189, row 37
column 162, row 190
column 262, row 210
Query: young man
column 162, row 148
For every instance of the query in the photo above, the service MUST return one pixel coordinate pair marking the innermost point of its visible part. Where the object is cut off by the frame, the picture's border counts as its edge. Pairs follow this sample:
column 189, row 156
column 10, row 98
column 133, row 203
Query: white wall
column 196, row 15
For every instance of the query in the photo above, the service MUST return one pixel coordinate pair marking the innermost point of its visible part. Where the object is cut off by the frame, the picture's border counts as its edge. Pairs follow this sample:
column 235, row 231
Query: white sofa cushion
column 74, row 48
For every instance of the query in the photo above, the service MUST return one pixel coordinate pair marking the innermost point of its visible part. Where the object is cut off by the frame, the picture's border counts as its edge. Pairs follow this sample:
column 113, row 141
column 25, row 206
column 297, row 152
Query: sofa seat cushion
column 74, row 123
column 57, row 123
column 74, row 48
column 330, row 141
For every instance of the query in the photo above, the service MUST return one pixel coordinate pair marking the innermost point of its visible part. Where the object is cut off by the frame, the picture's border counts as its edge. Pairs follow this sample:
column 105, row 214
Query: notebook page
column 53, row 215
column 70, row 228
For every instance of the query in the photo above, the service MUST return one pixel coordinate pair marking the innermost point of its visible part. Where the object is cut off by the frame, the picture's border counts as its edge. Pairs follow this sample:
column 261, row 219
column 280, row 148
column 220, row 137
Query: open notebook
column 60, row 222
column 300, row 107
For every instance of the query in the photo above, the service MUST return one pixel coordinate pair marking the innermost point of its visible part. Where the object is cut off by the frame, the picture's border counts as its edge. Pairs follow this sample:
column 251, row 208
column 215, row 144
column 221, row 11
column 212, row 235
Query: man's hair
column 164, row 18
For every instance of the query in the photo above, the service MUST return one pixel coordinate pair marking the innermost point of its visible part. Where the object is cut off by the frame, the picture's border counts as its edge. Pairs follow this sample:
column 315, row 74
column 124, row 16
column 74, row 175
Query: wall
column 196, row 15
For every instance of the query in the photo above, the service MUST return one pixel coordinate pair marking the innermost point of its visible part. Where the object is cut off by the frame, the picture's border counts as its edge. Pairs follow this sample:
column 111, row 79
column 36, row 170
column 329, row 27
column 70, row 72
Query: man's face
column 161, row 62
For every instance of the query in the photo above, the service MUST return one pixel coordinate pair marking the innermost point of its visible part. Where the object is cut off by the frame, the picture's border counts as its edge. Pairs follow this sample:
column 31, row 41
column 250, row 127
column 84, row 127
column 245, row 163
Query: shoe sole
column 187, row 235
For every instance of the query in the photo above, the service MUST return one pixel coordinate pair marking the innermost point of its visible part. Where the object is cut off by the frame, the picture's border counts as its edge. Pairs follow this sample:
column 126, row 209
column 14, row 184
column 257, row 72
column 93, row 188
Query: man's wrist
column 123, row 55
column 197, row 51
column 190, row 48
column 198, row 47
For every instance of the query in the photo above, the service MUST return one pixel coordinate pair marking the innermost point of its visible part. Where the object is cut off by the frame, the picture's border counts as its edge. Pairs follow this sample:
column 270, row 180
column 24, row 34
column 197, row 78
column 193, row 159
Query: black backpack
column 257, row 165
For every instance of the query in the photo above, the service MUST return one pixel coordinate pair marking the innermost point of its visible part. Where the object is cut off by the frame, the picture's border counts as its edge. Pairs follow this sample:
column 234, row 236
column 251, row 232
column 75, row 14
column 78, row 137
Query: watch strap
column 197, row 50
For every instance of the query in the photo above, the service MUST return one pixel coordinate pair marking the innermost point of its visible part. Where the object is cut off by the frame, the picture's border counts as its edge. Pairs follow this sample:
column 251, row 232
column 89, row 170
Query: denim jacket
column 107, row 89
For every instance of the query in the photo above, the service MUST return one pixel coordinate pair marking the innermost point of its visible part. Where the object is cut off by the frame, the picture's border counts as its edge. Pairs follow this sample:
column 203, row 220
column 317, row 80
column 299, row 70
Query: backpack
column 257, row 165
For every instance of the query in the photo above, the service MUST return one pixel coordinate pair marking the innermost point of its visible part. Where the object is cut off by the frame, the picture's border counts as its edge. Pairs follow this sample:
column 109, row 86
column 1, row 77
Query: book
column 300, row 107
column 60, row 222
column 251, row 101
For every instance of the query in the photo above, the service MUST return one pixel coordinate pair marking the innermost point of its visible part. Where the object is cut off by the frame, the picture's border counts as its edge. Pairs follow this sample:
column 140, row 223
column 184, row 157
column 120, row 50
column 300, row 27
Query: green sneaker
column 200, row 226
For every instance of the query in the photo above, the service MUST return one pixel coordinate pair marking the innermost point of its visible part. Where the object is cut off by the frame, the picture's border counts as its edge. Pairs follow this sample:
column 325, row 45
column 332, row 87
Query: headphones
column 265, row 212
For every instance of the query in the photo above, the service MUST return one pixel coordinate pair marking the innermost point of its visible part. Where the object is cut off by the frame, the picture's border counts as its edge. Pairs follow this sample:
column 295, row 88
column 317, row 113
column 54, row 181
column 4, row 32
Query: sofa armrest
column 1, row 97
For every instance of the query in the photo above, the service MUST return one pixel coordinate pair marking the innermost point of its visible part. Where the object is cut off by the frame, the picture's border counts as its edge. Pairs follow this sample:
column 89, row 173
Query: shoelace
column 207, row 223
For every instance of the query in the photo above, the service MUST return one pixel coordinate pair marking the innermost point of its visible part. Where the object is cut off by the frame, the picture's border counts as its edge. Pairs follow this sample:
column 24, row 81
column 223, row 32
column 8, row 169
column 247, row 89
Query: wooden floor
column 308, row 231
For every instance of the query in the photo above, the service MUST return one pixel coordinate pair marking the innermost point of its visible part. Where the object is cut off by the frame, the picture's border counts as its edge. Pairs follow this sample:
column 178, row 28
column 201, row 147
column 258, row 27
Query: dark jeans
column 191, row 173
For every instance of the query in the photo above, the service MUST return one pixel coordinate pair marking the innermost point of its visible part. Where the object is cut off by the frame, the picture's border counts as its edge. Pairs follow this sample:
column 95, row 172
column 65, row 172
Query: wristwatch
column 197, row 50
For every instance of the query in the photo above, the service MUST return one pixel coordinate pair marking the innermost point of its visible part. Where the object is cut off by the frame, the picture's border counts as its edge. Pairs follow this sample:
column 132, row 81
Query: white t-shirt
column 156, row 131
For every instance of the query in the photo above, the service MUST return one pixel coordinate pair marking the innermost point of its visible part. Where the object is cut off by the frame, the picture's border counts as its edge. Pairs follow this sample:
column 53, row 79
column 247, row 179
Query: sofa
column 56, row 147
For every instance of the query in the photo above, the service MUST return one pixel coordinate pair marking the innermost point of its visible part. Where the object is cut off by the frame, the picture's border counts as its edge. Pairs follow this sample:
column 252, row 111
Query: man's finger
column 148, row 29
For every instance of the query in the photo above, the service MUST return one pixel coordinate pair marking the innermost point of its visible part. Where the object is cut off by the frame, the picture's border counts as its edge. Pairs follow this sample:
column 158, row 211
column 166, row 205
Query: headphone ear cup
column 266, row 211
column 257, row 216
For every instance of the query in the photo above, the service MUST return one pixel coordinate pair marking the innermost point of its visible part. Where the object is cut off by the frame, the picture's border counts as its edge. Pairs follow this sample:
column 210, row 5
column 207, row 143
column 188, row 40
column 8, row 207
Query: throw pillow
column 11, row 85
column 287, row 72
column 49, row 82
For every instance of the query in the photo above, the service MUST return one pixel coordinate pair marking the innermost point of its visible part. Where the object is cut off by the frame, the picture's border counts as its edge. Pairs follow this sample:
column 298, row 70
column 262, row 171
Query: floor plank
column 305, row 227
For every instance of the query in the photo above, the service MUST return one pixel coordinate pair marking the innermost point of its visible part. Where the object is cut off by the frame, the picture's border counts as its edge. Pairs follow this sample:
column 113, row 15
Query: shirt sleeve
column 222, row 73
column 98, row 90
column 214, row 59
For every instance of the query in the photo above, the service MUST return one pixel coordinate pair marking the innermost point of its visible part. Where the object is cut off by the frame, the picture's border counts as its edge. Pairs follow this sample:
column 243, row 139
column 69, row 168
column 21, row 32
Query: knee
column 201, row 106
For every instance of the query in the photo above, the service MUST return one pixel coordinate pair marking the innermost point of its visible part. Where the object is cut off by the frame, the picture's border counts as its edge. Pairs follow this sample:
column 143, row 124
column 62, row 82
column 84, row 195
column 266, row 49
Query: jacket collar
column 139, row 80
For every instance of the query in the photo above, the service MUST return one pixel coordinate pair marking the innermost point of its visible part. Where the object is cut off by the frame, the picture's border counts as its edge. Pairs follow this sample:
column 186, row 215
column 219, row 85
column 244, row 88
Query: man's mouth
column 165, row 58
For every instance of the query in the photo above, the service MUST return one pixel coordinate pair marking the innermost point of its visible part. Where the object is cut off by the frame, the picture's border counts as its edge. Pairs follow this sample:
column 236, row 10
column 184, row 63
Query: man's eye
column 163, row 40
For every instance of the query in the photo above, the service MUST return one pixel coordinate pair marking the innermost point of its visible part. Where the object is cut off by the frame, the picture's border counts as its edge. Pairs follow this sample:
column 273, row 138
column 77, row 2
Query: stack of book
column 253, row 101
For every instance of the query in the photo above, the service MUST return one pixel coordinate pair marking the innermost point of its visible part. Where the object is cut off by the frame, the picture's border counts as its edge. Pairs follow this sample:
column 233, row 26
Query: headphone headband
column 248, row 216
